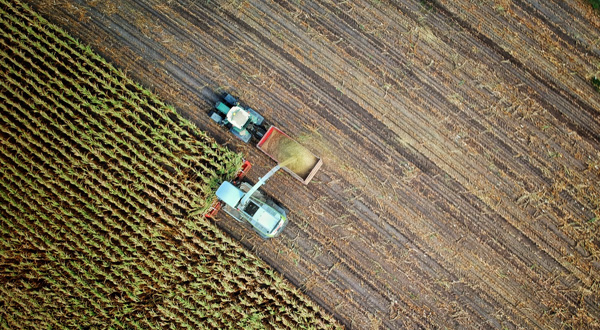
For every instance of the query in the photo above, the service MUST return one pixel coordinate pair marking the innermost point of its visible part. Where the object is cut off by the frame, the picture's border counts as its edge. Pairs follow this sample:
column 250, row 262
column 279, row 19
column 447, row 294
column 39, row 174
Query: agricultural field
column 460, row 140
column 103, row 188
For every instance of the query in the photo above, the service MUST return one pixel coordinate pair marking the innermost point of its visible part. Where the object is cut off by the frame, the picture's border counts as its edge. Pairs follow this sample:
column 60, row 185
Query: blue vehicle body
column 262, row 214
column 243, row 122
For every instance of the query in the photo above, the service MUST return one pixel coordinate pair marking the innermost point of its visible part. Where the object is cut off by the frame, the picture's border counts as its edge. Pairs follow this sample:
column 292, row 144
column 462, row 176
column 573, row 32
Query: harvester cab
column 247, row 204
column 242, row 121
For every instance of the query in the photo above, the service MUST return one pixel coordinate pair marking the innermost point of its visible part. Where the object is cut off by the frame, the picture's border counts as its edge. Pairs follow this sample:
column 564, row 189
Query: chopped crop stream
column 103, row 188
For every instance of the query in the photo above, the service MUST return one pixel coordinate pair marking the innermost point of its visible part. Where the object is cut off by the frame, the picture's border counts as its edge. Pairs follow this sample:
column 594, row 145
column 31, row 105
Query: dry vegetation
column 460, row 140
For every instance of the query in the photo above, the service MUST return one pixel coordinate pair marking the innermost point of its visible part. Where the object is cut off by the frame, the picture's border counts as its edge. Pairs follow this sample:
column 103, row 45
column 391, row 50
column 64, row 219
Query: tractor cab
column 242, row 121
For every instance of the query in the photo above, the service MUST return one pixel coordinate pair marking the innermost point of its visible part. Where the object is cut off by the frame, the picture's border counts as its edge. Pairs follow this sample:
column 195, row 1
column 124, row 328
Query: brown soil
column 460, row 142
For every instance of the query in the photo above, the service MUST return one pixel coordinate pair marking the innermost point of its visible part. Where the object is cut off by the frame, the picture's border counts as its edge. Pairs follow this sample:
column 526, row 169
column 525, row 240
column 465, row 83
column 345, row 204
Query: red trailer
column 294, row 158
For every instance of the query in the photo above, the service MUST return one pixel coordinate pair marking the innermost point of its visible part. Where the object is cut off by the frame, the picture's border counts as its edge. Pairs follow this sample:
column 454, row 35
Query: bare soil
column 460, row 141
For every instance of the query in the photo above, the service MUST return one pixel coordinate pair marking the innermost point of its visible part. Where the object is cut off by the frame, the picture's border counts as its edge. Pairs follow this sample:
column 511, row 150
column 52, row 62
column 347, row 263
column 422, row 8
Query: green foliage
column 596, row 82
column 97, row 177
column 595, row 3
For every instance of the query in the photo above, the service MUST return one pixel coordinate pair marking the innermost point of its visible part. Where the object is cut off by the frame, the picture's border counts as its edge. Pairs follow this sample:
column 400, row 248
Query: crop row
column 102, row 187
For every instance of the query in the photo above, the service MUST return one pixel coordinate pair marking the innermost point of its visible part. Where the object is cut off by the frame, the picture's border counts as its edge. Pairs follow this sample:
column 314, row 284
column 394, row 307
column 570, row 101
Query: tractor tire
column 230, row 100
column 257, row 131
column 260, row 132
column 215, row 117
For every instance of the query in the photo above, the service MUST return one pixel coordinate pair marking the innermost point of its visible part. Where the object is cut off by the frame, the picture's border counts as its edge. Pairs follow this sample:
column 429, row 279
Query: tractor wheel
column 260, row 132
column 230, row 100
column 215, row 117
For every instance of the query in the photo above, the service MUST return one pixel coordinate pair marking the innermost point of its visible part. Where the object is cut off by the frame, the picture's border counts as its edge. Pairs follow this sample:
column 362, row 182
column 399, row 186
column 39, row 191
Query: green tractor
column 242, row 121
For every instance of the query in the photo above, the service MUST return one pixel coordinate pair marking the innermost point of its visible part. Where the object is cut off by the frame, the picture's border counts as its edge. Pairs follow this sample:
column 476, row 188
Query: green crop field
column 102, row 193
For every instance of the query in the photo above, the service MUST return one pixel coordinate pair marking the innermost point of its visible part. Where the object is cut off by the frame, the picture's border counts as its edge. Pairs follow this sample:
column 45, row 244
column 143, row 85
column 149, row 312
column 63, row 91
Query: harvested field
column 102, row 192
column 460, row 141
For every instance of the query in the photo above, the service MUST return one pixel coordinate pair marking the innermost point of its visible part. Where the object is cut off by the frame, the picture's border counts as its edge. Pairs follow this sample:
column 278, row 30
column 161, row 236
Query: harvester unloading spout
column 260, row 182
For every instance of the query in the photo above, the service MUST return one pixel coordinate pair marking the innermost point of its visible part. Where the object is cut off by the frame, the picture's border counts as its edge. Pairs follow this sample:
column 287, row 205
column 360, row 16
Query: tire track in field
column 288, row 56
column 343, row 101
column 571, row 200
column 282, row 74
column 448, row 105
column 581, row 127
column 154, row 51
column 535, row 169
column 356, row 267
column 565, row 28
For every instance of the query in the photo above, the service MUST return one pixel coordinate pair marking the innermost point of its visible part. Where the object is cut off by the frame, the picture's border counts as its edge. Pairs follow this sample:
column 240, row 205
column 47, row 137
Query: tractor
column 242, row 121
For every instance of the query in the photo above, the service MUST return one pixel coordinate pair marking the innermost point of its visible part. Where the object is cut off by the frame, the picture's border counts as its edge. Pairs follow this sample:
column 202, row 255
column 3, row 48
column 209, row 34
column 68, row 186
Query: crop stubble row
column 435, row 94
column 491, row 229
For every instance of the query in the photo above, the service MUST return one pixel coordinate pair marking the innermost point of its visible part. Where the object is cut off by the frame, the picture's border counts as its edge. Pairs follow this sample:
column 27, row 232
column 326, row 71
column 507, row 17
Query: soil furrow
column 460, row 156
